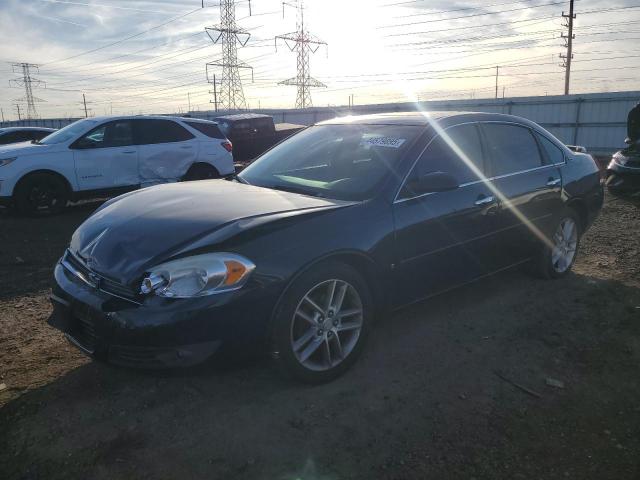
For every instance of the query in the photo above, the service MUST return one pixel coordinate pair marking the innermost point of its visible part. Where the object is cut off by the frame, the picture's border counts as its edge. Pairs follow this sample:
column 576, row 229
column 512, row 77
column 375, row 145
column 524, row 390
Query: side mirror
column 434, row 182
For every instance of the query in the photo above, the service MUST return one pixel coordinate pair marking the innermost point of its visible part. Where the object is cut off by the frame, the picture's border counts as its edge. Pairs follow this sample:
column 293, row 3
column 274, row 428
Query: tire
column 40, row 193
column 299, row 328
column 614, row 186
column 201, row 171
column 557, row 263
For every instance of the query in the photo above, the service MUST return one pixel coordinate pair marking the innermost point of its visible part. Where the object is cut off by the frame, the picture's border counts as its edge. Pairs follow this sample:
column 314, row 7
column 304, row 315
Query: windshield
column 346, row 162
column 69, row 132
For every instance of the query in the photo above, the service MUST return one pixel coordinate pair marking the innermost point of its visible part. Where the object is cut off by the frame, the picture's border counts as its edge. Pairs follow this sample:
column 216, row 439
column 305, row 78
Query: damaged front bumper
column 155, row 333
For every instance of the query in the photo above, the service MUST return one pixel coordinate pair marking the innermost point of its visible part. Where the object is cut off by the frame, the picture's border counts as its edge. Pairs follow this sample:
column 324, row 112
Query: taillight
column 227, row 145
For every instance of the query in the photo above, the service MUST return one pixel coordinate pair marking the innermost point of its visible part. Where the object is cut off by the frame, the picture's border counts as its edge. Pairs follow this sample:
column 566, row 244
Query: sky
column 149, row 56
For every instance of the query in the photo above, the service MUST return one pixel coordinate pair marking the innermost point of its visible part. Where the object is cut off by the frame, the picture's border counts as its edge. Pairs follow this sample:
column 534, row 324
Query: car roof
column 106, row 118
column 242, row 116
column 424, row 118
column 39, row 129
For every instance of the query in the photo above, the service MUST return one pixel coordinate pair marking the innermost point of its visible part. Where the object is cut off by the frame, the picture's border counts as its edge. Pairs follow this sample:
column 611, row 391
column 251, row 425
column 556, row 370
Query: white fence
column 596, row 120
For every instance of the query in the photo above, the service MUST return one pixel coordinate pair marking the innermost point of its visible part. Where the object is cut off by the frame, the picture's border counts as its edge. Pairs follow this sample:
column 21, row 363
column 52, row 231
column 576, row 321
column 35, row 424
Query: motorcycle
column 623, row 172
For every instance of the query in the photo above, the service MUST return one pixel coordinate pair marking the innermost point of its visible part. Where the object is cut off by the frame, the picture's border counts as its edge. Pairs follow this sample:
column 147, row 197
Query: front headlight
column 6, row 161
column 198, row 276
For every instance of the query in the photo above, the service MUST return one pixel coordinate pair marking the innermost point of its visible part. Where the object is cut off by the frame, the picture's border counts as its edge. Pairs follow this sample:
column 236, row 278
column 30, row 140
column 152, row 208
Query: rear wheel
column 322, row 323
column 201, row 171
column 41, row 193
column 558, row 257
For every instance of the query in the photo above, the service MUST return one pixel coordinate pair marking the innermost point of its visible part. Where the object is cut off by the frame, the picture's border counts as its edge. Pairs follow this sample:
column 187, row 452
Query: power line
column 473, row 15
column 123, row 39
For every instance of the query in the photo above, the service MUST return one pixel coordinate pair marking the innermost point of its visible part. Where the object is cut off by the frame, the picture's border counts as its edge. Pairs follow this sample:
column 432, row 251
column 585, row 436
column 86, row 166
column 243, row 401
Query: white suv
column 110, row 155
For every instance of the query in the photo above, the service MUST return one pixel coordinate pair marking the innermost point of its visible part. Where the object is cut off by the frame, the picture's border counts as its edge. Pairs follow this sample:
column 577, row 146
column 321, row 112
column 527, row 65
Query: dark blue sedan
column 340, row 223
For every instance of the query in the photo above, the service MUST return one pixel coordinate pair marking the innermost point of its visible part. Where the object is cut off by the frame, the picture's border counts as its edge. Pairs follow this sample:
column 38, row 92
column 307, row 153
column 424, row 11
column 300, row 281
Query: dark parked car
column 253, row 133
column 343, row 221
column 23, row 134
column 623, row 171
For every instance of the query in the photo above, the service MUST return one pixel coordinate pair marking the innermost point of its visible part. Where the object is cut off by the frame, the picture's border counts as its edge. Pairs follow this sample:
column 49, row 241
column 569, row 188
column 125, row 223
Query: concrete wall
column 596, row 120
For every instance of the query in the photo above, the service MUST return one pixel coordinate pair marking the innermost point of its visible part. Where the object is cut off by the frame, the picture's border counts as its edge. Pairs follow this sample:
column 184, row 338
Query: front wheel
column 40, row 193
column 320, row 327
column 559, row 255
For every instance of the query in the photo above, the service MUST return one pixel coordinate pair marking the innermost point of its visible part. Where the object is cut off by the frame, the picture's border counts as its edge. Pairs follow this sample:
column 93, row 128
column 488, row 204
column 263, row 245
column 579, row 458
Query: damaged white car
column 105, row 156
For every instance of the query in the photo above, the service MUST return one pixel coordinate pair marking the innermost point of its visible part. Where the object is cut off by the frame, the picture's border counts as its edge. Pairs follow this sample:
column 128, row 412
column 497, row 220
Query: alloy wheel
column 565, row 242
column 326, row 325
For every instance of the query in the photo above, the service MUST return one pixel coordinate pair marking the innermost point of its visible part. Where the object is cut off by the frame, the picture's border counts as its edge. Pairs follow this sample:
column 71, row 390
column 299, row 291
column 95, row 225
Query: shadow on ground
column 30, row 247
column 424, row 401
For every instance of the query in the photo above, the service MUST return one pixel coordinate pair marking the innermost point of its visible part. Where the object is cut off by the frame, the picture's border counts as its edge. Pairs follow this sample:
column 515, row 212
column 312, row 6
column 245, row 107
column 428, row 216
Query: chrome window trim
column 497, row 177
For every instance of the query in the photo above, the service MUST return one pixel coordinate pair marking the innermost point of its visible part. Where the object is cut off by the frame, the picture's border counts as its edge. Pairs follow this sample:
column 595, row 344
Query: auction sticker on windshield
column 390, row 142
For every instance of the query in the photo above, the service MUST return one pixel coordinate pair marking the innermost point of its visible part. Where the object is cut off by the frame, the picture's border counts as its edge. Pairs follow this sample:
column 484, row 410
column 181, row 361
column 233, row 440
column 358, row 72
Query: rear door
column 529, row 186
column 167, row 150
column 442, row 238
column 106, row 157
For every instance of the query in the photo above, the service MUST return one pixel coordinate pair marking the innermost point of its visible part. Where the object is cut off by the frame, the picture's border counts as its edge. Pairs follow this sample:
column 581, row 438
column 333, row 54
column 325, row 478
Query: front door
column 106, row 157
column 442, row 238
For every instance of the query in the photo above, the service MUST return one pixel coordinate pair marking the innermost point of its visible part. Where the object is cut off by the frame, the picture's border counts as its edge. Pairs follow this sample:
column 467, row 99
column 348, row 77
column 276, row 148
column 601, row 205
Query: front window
column 346, row 162
column 67, row 133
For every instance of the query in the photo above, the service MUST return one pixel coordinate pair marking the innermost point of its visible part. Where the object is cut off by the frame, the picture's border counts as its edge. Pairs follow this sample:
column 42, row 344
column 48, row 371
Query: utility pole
column 84, row 100
column 2, row 112
column 189, row 101
column 229, row 35
column 28, row 82
column 497, row 73
column 568, row 39
column 18, row 108
column 302, row 42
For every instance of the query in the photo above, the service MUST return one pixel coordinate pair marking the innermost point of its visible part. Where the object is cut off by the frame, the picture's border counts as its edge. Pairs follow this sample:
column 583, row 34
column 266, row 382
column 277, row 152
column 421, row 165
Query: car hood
column 22, row 148
column 136, row 231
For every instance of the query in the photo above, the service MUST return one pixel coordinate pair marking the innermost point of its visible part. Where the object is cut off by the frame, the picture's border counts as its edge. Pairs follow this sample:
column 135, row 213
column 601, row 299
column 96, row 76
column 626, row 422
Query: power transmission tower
column 229, row 35
column 568, row 40
column 28, row 82
column 302, row 42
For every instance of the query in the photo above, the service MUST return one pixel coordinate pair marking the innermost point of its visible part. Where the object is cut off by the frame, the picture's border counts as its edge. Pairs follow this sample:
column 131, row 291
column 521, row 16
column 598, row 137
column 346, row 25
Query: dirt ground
column 431, row 397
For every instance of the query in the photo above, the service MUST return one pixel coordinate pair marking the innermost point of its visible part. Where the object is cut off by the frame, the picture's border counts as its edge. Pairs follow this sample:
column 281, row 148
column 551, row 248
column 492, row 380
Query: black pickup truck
column 253, row 133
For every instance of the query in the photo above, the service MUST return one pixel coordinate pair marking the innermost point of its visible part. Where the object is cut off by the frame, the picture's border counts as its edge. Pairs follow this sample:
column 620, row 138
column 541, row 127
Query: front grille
column 96, row 280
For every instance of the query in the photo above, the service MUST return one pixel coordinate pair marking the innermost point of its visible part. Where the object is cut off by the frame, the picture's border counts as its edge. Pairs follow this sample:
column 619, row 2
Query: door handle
column 485, row 199
column 186, row 147
column 552, row 182
column 129, row 151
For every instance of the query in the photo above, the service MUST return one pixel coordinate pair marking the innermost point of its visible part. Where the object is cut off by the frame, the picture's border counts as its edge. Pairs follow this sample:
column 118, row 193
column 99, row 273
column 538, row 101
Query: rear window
column 211, row 130
column 152, row 131
column 553, row 153
column 512, row 148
